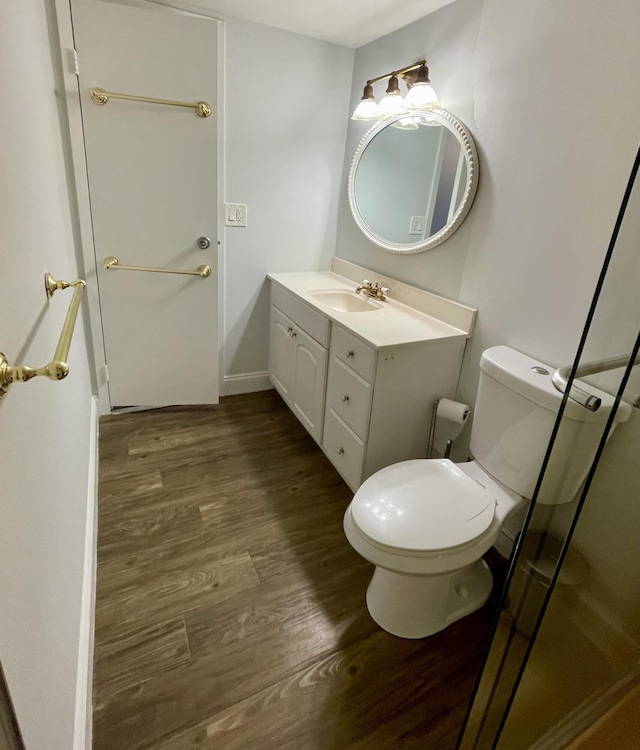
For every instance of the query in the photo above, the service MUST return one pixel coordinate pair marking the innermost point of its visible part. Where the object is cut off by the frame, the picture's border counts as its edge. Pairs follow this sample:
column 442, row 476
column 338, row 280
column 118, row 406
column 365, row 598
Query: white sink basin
column 343, row 300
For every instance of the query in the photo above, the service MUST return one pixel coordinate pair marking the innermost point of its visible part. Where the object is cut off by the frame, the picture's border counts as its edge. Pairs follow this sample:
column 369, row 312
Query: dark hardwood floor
column 230, row 608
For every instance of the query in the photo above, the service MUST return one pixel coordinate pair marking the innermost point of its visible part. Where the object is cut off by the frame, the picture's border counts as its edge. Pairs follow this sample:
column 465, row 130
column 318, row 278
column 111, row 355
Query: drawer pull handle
column 340, row 451
column 345, row 398
column 293, row 334
column 290, row 330
column 349, row 353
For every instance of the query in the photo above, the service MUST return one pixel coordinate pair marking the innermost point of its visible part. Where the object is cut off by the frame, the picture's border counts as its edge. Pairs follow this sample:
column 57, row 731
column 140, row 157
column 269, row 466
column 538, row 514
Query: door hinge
column 104, row 374
column 73, row 60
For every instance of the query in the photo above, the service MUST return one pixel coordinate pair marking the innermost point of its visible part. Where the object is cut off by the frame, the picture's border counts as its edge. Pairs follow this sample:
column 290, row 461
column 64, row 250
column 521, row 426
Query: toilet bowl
column 425, row 524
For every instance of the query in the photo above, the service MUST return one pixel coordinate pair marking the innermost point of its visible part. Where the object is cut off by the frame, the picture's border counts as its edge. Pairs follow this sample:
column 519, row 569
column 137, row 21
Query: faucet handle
column 366, row 283
column 384, row 289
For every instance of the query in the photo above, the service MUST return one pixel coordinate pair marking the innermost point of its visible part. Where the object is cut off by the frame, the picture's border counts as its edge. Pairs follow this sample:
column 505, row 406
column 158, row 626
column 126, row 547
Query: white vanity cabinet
column 379, row 403
column 363, row 383
column 298, row 358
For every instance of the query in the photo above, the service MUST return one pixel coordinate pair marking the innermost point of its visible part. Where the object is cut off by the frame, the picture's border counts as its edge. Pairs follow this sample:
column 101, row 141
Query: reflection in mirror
column 412, row 181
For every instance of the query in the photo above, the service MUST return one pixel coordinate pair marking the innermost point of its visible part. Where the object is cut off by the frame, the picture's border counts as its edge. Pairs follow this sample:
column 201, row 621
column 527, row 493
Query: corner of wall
column 83, row 724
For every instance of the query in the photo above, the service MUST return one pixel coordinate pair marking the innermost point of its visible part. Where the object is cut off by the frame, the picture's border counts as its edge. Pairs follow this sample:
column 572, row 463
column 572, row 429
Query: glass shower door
column 562, row 669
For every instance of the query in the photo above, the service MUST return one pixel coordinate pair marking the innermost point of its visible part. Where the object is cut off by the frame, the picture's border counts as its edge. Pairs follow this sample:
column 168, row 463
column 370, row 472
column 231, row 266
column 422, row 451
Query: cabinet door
column 309, row 382
column 280, row 356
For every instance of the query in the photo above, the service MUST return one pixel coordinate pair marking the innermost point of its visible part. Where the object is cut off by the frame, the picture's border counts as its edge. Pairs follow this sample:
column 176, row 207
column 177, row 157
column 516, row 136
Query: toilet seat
column 422, row 506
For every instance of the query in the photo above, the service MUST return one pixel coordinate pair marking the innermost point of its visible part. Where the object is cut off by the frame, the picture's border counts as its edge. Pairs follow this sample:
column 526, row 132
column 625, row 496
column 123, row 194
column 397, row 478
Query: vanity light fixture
column 421, row 95
column 367, row 108
column 392, row 102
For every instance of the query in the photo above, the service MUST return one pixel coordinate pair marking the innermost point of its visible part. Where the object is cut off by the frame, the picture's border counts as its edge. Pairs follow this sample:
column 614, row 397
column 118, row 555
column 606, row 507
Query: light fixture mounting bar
column 400, row 72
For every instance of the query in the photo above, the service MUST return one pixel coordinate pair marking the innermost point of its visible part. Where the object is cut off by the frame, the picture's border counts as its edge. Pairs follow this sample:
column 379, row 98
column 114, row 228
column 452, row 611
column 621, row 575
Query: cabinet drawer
column 353, row 352
column 311, row 321
column 350, row 397
column 344, row 449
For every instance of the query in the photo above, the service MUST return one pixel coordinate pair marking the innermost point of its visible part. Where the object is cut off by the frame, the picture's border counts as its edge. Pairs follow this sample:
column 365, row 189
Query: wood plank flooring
column 230, row 608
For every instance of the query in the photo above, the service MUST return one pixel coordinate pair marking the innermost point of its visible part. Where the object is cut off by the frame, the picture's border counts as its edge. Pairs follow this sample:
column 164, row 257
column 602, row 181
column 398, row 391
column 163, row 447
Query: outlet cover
column 235, row 214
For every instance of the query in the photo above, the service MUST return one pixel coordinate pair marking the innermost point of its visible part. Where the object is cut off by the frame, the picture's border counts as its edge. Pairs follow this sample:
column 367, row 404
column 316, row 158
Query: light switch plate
column 417, row 225
column 235, row 214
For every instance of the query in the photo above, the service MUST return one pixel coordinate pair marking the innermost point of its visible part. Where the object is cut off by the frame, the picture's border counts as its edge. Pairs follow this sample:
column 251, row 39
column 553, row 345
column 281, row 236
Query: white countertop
column 394, row 323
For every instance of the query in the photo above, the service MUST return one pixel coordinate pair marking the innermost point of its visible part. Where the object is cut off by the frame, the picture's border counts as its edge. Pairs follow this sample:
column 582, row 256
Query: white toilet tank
column 515, row 413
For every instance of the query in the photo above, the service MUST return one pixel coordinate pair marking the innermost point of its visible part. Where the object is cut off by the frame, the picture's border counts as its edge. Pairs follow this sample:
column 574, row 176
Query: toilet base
column 414, row 606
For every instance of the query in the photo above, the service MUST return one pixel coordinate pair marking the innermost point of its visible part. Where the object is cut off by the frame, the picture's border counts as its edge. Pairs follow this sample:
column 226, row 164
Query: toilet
column 426, row 523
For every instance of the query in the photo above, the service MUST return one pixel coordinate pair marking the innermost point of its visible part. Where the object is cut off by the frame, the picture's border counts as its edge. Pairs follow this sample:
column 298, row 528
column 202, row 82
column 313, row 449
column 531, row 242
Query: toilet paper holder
column 454, row 415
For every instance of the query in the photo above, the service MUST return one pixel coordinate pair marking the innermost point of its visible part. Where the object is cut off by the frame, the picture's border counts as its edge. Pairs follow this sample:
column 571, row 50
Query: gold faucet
column 373, row 290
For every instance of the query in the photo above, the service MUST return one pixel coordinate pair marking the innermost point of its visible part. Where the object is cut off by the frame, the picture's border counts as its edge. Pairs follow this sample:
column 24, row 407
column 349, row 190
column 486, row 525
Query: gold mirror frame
column 471, row 160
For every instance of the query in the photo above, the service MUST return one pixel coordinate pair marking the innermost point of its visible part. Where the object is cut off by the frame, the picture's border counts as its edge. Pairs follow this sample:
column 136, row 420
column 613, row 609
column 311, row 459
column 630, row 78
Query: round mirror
column 412, row 180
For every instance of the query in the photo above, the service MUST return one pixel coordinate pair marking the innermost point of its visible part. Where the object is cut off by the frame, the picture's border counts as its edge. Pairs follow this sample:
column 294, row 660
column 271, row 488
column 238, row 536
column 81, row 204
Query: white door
column 152, row 183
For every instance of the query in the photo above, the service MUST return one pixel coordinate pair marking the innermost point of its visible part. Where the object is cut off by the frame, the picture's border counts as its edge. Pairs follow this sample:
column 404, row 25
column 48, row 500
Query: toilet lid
column 422, row 505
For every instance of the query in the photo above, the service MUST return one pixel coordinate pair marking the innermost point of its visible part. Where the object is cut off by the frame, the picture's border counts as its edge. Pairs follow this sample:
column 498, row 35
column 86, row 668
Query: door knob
column 203, row 243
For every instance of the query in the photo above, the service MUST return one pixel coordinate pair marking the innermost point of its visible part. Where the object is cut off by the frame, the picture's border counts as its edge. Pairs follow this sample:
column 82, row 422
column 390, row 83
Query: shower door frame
column 467, row 740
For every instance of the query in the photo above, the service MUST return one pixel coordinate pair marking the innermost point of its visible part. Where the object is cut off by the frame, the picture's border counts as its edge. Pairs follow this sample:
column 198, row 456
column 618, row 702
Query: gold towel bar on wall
column 113, row 264
column 100, row 96
column 57, row 369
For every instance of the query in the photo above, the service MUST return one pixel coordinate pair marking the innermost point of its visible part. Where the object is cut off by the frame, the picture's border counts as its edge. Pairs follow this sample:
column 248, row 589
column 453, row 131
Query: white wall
column 447, row 38
column 551, row 190
column 45, row 426
column 286, row 98
column 553, row 162
column 549, row 91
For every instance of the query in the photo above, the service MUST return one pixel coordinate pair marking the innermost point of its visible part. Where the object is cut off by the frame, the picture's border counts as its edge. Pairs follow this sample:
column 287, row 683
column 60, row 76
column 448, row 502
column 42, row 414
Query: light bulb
column 392, row 102
column 421, row 95
column 367, row 108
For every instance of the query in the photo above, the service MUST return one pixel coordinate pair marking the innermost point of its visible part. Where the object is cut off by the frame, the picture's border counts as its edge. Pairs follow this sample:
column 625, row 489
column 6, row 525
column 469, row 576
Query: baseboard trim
column 83, row 723
column 249, row 382
column 587, row 715
column 599, row 624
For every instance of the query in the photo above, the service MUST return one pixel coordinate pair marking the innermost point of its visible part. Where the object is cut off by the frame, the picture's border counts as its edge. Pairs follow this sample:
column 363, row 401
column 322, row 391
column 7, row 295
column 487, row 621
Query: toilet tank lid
column 516, row 371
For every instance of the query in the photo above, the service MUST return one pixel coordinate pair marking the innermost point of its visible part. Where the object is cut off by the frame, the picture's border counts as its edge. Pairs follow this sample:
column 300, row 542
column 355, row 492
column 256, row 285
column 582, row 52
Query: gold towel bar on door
column 58, row 368
column 100, row 96
column 113, row 264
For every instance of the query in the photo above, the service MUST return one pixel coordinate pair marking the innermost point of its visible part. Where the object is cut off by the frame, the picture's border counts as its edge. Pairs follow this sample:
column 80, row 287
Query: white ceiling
column 350, row 23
